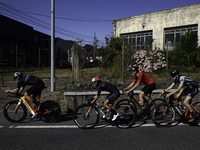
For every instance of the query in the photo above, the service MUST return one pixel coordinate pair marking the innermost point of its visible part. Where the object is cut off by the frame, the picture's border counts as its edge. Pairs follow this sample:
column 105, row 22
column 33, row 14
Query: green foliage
column 186, row 56
column 113, row 49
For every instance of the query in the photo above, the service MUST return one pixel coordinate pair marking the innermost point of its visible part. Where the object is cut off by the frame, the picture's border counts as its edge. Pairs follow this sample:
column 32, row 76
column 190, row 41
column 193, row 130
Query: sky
column 81, row 20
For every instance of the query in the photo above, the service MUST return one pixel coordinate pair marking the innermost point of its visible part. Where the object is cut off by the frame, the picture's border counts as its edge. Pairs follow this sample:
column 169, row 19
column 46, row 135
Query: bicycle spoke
column 163, row 115
column 86, row 116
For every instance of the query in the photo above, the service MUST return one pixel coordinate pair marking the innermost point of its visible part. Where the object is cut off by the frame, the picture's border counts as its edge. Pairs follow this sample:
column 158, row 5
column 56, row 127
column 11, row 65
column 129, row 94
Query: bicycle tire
column 19, row 115
column 83, row 121
column 50, row 111
column 154, row 103
column 197, row 106
column 127, row 102
column 127, row 116
column 163, row 115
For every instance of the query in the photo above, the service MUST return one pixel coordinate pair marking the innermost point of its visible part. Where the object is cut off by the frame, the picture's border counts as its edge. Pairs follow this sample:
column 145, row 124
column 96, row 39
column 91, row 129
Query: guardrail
column 93, row 93
column 73, row 99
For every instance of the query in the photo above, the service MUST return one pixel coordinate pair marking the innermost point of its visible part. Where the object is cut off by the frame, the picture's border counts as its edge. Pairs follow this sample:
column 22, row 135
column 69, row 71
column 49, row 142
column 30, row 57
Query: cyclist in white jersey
column 190, row 91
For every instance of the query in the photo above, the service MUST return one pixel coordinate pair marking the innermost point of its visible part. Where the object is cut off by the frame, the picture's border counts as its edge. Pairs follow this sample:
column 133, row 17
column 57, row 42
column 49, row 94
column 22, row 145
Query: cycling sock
column 143, row 107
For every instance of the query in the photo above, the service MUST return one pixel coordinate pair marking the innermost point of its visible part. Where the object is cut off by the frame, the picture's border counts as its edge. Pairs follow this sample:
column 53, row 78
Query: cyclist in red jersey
column 144, row 78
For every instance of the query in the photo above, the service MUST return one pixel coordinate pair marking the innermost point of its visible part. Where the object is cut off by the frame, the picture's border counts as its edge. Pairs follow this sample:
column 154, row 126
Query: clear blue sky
column 80, row 19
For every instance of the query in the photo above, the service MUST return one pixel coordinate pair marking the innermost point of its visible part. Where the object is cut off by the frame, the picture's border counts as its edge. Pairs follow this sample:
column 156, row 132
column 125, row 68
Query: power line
column 69, row 17
column 15, row 13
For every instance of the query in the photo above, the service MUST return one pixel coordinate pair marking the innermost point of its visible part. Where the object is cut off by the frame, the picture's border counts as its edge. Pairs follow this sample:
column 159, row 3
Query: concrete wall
column 157, row 21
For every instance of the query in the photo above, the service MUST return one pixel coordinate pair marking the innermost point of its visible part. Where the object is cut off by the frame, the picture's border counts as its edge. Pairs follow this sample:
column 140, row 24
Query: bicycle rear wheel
column 13, row 115
column 163, row 115
column 86, row 117
column 127, row 116
column 50, row 111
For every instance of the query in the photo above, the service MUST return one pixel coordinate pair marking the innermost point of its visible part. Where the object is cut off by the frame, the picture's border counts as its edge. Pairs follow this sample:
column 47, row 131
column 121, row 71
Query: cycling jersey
column 37, row 84
column 144, row 78
column 105, row 86
column 191, row 86
column 186, row 81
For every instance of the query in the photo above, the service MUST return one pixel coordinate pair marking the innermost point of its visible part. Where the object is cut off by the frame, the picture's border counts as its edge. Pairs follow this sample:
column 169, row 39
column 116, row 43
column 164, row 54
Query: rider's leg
column 28, row 97
column 141, row 97
column 186, row 103
column 106, row 104
column 192, row 112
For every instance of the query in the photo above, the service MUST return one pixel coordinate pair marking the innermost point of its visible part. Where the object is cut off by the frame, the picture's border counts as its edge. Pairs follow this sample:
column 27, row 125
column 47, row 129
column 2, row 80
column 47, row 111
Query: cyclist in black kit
column 33, row 91
column 105, row 86
column 190, row 91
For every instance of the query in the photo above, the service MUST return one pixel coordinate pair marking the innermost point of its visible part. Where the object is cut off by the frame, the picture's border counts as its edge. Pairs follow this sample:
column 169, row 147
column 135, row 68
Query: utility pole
column 123, row 62
column 94, row 45
column 52, row 45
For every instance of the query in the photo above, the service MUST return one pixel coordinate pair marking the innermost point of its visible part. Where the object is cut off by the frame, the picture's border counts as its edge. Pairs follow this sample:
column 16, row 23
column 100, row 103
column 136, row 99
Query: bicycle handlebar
column 19, row 94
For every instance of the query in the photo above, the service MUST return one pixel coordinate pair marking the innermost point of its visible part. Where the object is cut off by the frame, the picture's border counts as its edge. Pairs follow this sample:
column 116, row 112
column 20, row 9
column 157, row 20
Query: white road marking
column 74, row 126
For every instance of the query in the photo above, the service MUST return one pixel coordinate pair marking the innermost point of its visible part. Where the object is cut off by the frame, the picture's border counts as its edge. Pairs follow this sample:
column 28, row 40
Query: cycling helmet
column 174, row 72
column 94, row 80
column 17, row 74
column 134, row 68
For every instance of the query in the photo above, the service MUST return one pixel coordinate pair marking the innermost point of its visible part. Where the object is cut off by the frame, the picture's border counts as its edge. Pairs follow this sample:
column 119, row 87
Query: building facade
column 159, row 30
column 21, row 46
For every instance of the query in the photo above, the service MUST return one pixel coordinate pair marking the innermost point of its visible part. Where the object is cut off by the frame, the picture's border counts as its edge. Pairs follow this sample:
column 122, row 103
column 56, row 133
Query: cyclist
column 190, row 91
column 36, row 88
column 148, row 88
column 105, row 86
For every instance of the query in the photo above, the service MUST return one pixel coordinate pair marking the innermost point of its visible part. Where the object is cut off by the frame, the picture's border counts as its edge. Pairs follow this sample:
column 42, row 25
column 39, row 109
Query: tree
column 186, row 55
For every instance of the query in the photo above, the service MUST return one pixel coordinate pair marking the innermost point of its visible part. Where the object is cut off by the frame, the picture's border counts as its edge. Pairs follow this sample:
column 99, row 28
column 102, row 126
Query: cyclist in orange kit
column 144, row 78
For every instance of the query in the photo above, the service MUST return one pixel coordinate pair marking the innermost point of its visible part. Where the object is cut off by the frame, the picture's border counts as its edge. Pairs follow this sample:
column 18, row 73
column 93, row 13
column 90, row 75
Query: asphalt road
column 64, row 134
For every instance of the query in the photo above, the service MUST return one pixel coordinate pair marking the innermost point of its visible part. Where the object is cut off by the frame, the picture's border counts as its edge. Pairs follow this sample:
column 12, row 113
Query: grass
column 87, row 73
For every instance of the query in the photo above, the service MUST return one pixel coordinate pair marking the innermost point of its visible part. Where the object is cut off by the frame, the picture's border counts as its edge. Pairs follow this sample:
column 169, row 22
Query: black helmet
column 174, row 72
column 134, row 68
column 17, row 74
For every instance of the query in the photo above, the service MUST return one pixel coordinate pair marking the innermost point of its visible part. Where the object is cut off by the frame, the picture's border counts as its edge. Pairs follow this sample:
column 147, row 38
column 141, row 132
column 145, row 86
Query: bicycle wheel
column 126, row 101
column 15, row 116
column 154, row 103
column 50, row 111
column 127, row 116
column 197, row 106
column 86, row 117
column 163, row 115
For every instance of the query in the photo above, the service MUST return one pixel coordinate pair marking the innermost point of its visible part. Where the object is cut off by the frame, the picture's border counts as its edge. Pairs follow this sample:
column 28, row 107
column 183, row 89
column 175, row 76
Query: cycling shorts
column 191, row 91
column 36, row 89
column 149, row 88
column 112, row 97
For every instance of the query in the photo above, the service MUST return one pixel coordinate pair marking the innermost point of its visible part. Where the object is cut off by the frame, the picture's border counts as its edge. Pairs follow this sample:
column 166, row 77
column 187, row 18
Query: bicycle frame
column 27, row 104
column 131, row 97
column 171, row 103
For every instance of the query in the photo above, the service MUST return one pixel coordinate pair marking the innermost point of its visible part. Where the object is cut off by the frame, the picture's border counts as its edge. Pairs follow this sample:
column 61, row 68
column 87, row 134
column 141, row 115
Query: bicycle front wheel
column 127, row 115
column 156, row 102
column 50, row 111
column 86, row 117
column 163, row 115
column 14, row 112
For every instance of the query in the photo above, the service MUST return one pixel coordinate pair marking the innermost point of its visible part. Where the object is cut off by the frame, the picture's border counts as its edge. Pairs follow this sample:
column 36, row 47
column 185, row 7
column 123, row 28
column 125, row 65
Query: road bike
column 16, row 110
column 149, row 102
column 87, row 116
column 165, row 114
